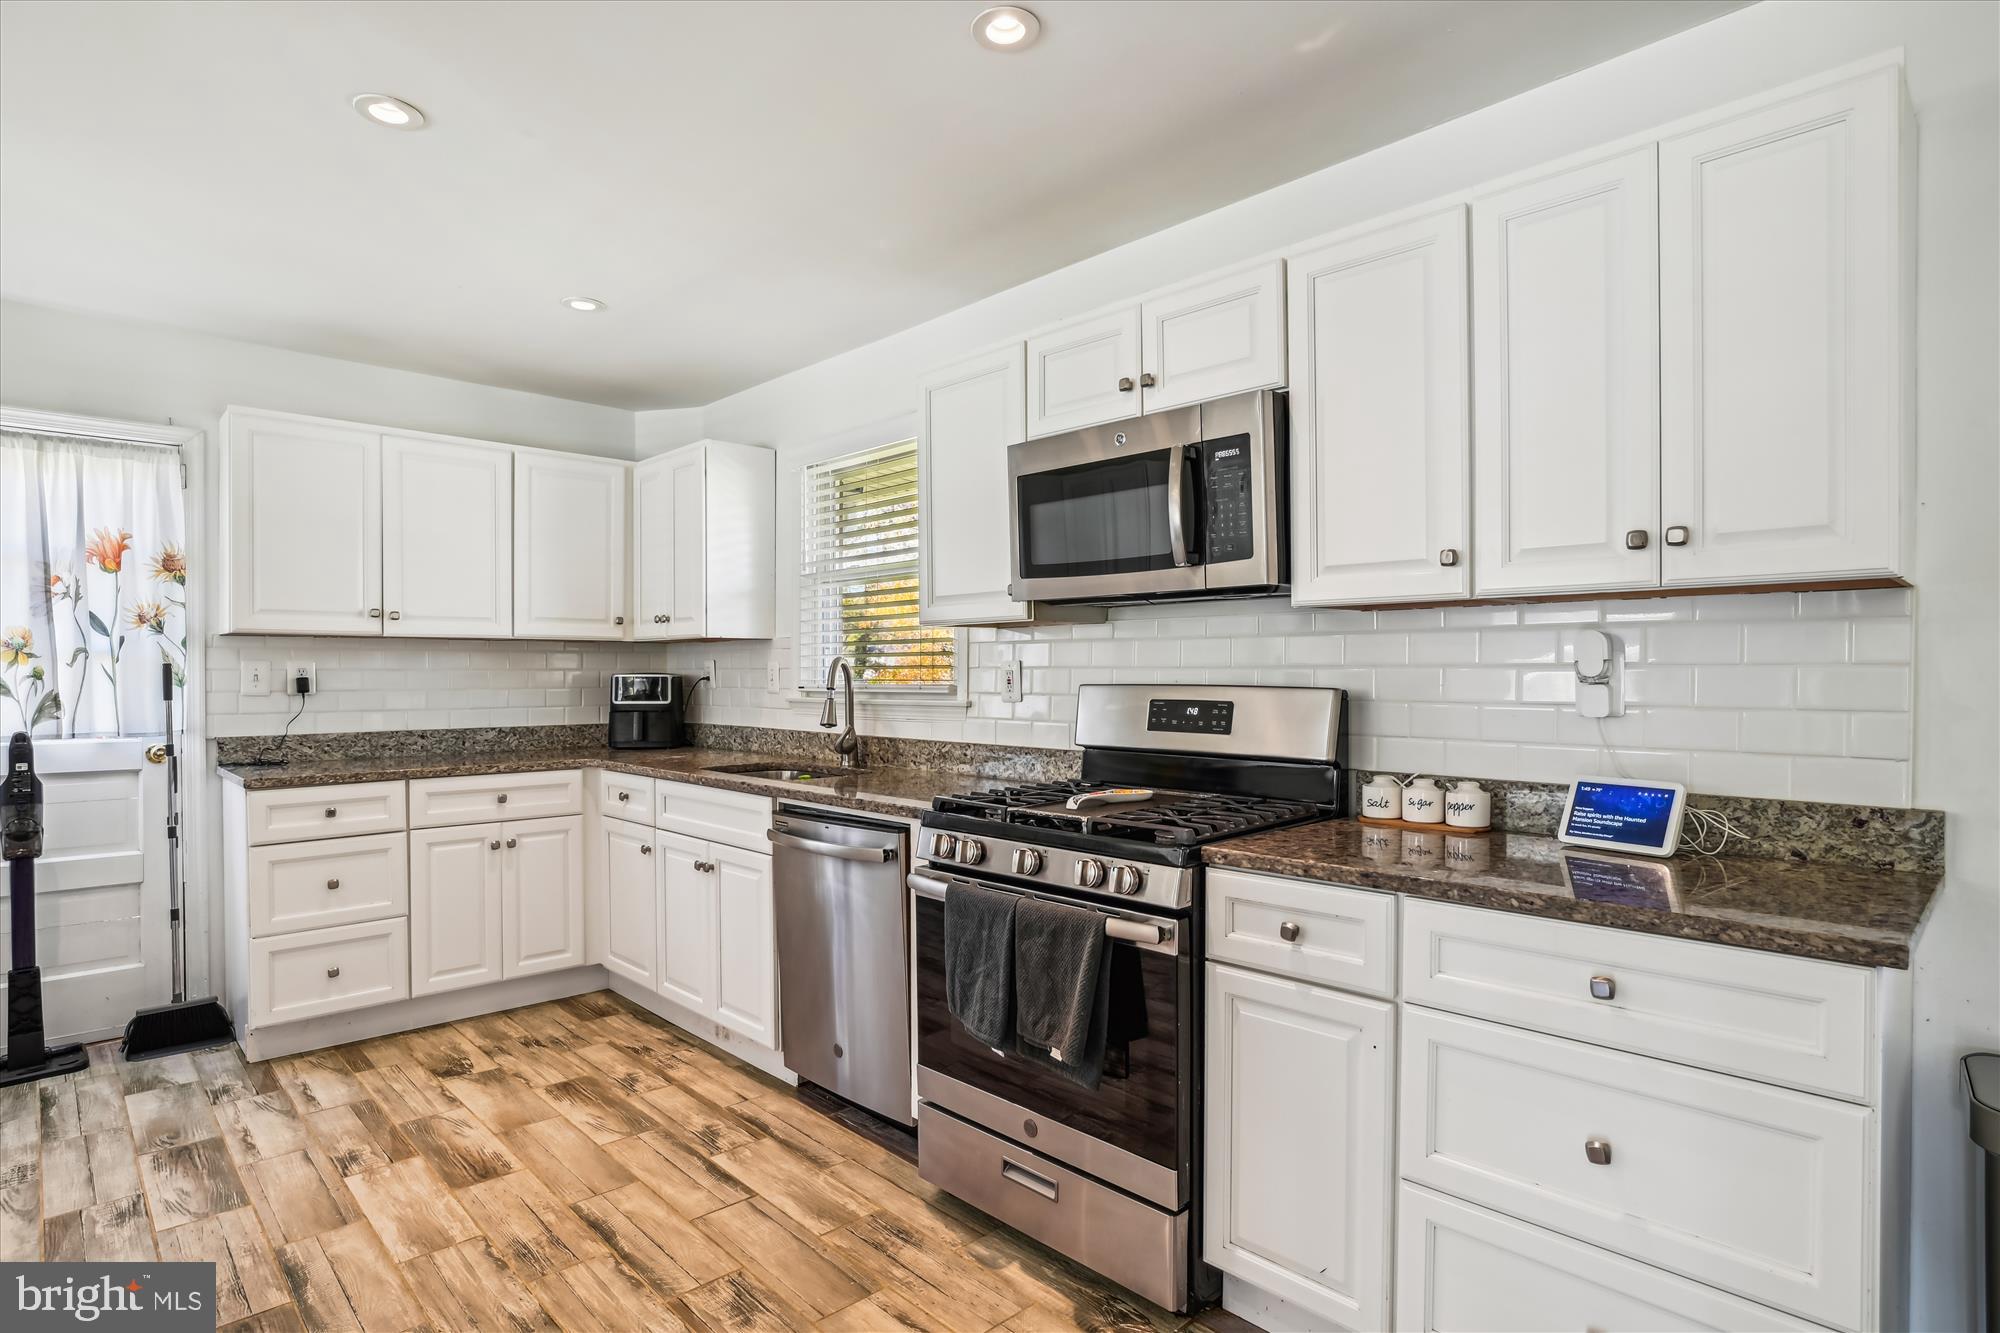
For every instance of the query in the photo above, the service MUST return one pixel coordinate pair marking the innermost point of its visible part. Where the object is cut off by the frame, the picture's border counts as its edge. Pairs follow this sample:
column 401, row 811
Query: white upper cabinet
column 703, row 543
column 1084, row 373
column 1379, row 417
column 302, row 525
column 569, row 546
column 1565, row 351
column 447, row 538
column 1784, row 354
column 967, row 415
column 1213, row 338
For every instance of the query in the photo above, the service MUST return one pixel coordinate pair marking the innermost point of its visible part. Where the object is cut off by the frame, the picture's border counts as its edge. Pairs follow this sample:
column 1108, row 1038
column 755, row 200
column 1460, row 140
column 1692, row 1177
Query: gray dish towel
column 979, row 961
column 1062, row 994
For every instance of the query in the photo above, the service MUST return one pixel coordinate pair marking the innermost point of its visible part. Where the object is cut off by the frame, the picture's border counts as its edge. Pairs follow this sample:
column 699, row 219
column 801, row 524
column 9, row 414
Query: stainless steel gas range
column 1110, row 1176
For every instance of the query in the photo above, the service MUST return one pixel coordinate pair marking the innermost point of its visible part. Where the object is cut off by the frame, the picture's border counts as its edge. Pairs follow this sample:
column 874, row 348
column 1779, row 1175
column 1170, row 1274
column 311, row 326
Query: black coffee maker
column 648, row 712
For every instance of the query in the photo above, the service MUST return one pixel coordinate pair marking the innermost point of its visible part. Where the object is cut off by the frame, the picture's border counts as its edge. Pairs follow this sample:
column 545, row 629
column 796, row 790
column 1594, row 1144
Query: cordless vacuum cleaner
column 28, row 1054
column 184, row 1025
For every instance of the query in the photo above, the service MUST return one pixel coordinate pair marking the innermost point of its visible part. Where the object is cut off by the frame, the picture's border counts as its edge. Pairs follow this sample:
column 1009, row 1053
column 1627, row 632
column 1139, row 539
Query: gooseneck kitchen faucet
column 848, row 745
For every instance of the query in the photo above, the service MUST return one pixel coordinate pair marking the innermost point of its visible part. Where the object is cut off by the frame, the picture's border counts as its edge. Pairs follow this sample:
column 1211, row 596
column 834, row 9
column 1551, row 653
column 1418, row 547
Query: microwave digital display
column 1210, row 717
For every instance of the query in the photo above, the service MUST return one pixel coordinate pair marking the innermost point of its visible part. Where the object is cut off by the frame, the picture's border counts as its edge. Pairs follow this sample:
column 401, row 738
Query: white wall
column 1951, row 71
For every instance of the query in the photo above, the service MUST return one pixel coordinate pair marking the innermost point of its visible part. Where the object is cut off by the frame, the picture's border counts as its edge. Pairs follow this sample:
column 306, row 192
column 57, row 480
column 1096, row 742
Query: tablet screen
column 1626, row 814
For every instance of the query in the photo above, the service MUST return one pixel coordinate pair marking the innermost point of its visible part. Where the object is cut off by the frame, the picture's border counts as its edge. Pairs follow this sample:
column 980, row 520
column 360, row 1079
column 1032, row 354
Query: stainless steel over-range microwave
column 1180, row 504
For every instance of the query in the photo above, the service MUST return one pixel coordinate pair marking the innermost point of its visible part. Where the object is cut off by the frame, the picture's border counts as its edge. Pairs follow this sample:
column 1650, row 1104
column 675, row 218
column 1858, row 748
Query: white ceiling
column 752, row 187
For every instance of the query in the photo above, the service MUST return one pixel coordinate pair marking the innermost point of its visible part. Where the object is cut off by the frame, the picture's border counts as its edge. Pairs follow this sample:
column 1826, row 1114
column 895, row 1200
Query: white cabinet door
column 1565, row 354
column 1783, row 362
column 569, row 547
column 1379, row 427
column 669, row 594
column 631, row 921
column 541, row 888
column 1299, row 1166
column 302, row 526
column 447, row 539
column 687, row 922
column 1213, row 338
column 455, row 909
column 746, row 945
column 1084, row 374
column 967, row 415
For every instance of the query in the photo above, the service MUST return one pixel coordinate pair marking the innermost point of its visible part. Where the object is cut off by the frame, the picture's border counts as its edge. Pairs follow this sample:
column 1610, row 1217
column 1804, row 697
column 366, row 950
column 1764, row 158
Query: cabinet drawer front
column 475, row 800
column 714, row 815
column 1779, row 1020
column 328, row 971
column 1461, row 1269
column 298, row 813
column 1758, row 1190
column 622, row 796
column 1341, row 936
column 308, row 885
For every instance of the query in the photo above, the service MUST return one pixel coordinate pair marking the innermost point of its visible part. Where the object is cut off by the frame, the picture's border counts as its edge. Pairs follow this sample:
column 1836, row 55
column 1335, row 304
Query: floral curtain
column 93, row 585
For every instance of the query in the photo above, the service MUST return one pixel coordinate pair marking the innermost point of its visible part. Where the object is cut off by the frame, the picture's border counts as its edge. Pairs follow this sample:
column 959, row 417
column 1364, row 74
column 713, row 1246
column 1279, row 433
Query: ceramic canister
column 1423, row 803
column 1468, row 805
column 1382, row 798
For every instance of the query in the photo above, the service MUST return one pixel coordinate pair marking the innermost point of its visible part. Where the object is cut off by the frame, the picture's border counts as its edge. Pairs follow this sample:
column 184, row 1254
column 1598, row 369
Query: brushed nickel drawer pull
column 645, row 849
column 1029, row 1180
column 1678, row 535
column 1598, row 1151
column 332, row 884
column 1603, row 988
column 333, row 972
column 624, row 795
column 1288, row 931
column 510, row 842
column 501, row 798
column 1124, row 384
column 331, row 812
column 1146, row 381
column 1636, row 539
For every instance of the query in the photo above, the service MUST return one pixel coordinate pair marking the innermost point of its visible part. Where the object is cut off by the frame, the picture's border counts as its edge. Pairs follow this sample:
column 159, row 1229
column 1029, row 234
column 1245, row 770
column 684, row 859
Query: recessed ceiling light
column 382, row 109
column 584, row 303
column 1006, row 28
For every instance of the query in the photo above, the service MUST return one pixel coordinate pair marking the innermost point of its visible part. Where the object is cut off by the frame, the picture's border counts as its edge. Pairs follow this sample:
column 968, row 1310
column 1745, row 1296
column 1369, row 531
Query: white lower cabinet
column 1299, row 1101
column 1462, row 1269
column 315, row 972
column 718, row 949
column 631, row 901
column 491, row 901
column 687, row 923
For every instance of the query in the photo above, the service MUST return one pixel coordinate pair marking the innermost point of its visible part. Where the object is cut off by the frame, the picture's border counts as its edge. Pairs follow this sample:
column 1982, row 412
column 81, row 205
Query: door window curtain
column 93, row 585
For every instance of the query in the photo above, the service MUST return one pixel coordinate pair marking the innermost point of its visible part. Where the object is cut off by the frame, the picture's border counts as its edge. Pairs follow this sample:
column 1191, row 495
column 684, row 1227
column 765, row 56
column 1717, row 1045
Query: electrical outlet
column 256, row 678
column 771, row 680
column 708, row 669
column 1010, row 682
column 293, row 670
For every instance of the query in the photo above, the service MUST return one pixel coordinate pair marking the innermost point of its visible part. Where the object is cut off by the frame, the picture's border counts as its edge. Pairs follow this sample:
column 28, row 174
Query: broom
column 184, row 1025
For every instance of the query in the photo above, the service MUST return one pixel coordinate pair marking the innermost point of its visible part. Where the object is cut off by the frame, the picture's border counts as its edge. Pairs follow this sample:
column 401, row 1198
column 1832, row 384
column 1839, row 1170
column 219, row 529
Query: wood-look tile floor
column 576, row 1165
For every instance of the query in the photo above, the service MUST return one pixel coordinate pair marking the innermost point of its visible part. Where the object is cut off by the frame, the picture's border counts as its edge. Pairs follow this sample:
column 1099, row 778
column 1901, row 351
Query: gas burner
column 1167, row 819
column 996, row 804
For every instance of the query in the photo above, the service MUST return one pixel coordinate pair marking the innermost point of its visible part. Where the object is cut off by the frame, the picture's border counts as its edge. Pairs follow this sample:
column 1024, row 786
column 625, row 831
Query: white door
column 1379, row 428
column 967, row 415
column 1213, row 338
column 687, row 610
column 1084, row 374
column 541, row 894
column 631, row 901
column 1565, row 395
column 1299, row 1168
column 302, row 527
column 569, row 547
column 101, row 896
column 455, row 908
column 668, row 544
column 746, row 945
column 447, row 539
column 1783, row 360
column 687, row 922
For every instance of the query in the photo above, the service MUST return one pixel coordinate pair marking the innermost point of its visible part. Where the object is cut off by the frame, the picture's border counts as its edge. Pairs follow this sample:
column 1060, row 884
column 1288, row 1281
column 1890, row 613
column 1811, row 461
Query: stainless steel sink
column 832, row 773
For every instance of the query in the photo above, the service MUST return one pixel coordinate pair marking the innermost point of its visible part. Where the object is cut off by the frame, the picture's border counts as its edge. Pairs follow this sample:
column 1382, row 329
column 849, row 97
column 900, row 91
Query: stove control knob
column 971, row 851
column 1027, row 861
column 1089, row 872
column 943, row 846
column 1128, row 880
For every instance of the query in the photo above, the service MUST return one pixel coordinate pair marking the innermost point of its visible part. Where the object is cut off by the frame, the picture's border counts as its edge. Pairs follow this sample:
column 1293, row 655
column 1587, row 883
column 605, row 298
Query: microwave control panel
column 1228, row 496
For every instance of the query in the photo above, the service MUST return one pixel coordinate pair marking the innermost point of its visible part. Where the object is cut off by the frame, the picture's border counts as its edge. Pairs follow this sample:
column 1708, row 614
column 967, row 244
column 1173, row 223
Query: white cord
column 1706, row 832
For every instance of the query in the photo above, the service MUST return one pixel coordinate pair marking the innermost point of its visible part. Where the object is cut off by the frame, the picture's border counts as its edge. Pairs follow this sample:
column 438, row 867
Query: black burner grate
column 1171, row 819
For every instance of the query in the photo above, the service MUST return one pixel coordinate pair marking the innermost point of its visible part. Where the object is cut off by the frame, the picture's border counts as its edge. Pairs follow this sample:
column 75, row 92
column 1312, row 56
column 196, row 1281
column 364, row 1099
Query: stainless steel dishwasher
column 844, row 955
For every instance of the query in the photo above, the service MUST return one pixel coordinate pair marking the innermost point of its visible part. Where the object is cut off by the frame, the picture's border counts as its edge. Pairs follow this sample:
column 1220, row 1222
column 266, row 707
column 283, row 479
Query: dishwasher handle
column 872, row 855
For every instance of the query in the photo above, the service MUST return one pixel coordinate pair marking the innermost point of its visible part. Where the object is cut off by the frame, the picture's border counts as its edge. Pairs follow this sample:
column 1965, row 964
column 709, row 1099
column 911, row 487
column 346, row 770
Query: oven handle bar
column 1135, row 932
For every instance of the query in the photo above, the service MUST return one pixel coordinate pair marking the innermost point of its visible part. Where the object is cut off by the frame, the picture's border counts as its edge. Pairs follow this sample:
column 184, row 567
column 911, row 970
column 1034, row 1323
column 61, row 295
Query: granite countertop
column 1838, row 913
column 904, row 792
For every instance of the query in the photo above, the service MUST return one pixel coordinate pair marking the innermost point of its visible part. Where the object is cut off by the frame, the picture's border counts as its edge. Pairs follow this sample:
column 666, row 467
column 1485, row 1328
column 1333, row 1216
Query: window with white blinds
column 858, row 577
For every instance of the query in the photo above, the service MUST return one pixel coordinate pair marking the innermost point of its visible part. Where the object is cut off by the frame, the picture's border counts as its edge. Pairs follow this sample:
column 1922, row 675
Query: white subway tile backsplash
column 1518, row 645
column 1694, row 642
column 1854, row 781
column 1884, row 688
column 1882, row 640
column 1878, row 735
column 1797, row 641
column 1481, row 684
column 1744, row 687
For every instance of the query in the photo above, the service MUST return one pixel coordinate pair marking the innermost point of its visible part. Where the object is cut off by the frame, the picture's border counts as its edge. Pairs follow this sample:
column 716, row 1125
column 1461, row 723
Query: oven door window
column 1107, row 517
column 1137, row 1107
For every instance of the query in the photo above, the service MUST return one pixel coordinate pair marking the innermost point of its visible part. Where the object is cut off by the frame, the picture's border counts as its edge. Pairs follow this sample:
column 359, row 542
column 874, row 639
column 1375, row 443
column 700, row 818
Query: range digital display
column 1628, row 814
column 1209, row 717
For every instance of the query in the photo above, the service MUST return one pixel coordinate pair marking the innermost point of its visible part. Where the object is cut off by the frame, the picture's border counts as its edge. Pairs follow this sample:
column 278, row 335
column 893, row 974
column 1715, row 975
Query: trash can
column 1982, row 1083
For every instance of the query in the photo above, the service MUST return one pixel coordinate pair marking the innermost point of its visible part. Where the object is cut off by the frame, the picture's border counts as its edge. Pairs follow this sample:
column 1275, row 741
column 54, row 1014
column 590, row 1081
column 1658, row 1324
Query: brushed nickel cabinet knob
column 374, row 613
column 645, row 849
column 1146, row 381
column 1678, row 535
column 331, row 812
column 510, row 842
column 1124, row 384
column 395, row 615
column 1448, row 556
column 493, row 846
column 618, row 620
column 501, row 798
column 1636, row 539
column 624, row 795
column 1598, row 1151
column 1603, row 988
column 332, row 884
column 333, row 972
column 1288, row 931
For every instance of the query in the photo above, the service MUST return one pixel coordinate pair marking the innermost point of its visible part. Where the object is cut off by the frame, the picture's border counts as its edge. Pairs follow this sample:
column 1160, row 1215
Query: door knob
column 1678, row 536
column 1448, row 556
column 1636, row 539
column 1288, row 931
column 1598, row 1151
column 332, row 884
column 1124, row 384
column 1603, row 988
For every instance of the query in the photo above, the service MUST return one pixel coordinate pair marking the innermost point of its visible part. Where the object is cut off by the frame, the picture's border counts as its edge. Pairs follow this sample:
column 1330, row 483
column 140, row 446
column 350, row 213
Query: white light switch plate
column 771, row 681
column 256, row 678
